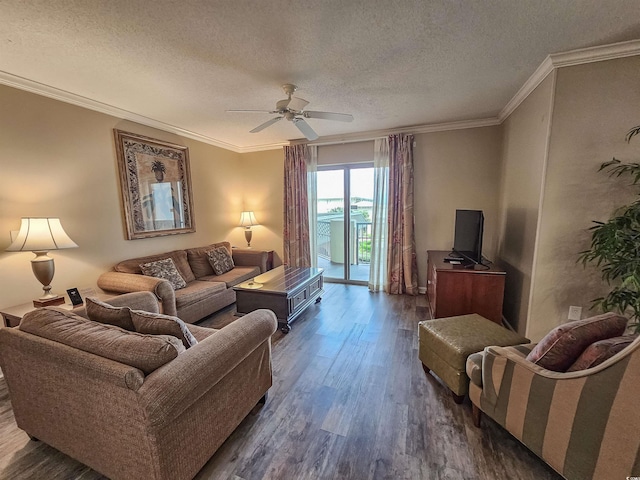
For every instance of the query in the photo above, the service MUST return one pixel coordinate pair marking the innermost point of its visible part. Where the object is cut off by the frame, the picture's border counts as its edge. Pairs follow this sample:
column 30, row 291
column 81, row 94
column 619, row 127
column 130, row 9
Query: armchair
column 584, row 424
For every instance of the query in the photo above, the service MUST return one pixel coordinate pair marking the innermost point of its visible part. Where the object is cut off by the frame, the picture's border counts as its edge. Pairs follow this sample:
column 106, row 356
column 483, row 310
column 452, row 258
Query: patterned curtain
column 296, row 207
column 401, row 256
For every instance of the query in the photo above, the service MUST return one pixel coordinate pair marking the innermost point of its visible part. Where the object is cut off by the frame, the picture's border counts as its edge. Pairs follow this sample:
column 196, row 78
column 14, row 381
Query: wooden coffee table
column 287, row 291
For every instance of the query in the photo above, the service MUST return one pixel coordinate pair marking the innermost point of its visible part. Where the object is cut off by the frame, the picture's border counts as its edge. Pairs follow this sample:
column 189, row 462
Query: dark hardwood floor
column 350, row 401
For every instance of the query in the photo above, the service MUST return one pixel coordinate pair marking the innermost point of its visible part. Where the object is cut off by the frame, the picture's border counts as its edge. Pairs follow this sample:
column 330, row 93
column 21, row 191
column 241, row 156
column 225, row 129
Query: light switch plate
column 575, row 313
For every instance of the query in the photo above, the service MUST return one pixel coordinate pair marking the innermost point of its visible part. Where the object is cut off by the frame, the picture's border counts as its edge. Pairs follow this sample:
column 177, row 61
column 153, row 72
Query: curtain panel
column 402, row 269
column 312, row 194
column 296, row 248
column 378, row 279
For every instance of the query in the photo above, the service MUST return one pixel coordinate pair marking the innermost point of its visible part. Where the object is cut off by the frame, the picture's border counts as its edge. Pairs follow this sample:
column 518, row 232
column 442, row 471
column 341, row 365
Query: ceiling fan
column 292, row 108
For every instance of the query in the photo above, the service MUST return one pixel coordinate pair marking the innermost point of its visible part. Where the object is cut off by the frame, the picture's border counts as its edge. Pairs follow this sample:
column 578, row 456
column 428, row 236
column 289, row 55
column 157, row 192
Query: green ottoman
column 445, row 344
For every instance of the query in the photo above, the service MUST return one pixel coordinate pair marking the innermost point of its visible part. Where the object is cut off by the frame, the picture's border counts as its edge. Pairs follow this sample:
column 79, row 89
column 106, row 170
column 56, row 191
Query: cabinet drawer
column 314, row 286
column 298, row 299
column 11, row 320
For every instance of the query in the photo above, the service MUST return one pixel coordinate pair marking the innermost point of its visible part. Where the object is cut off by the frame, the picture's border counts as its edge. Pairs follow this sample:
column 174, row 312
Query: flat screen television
column 468, row 235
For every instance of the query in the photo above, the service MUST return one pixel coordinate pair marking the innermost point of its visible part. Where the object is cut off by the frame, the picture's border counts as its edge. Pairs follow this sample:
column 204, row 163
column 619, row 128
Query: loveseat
column 205, row 292
column 131, row 405
column 583, row 423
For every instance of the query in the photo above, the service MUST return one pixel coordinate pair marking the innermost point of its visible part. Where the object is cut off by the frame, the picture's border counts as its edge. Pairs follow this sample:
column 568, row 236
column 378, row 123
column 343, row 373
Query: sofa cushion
column 220, row 260
column 196, row 291
column 166, row 269
column 146, row 352
column 562, row 346
column 104, row 313
column 179, row 257
column 198, row 260
column 159, row 324
column 233, row 277
column 599, row 351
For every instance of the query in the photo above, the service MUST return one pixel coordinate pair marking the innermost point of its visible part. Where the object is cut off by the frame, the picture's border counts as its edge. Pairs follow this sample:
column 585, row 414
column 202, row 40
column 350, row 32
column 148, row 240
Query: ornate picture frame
column 155, row 186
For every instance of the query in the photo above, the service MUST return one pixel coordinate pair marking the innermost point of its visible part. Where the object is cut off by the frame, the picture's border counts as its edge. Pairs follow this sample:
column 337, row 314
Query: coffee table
column 287, row 291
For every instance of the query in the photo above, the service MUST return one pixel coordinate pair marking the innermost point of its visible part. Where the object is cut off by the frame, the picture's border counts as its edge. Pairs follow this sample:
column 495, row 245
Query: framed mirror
column 155, row 186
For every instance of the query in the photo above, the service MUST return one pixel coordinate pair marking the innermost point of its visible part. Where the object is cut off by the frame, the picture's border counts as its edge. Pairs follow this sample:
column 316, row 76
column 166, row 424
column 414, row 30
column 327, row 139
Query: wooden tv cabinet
column 455, row 290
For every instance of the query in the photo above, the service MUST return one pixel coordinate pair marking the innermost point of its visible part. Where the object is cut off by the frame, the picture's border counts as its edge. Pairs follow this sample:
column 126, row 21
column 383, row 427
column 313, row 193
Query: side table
column 11, row 316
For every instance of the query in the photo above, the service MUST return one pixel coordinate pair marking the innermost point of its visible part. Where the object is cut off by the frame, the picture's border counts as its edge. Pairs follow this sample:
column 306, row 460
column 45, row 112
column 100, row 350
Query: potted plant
column 615, row 247
column 158, row 168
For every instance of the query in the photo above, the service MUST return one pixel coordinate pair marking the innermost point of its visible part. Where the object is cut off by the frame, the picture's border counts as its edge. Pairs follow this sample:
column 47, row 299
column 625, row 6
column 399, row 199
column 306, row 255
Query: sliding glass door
column 345, row 204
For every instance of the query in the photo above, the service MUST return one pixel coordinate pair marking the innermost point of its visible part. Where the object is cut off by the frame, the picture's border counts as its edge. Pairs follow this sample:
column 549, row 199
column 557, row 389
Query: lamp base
column 49, row 302
column 247, row 235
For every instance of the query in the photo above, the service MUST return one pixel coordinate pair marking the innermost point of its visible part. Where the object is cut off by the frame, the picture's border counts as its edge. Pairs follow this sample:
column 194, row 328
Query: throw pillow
column 166, row 269
column 104, row 313
column 220, row 260
column 564, row 344
column 159, row 324
column 598, row 352
column 199, row 261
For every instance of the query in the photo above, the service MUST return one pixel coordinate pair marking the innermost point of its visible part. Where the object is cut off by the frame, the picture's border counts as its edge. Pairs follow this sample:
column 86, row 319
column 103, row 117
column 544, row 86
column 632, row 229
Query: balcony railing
column 362, row 241
column 324, row 239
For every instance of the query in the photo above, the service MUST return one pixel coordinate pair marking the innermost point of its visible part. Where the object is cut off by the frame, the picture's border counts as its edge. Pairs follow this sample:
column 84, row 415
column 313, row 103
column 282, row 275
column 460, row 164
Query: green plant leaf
column 631, row 133
column 615, row 247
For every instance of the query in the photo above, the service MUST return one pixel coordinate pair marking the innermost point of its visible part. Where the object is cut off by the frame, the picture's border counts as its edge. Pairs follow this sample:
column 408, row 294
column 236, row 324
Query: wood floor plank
column 349, row 401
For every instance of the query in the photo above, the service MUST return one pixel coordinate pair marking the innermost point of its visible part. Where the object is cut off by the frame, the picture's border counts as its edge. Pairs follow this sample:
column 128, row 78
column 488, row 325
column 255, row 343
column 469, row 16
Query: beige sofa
column 129, row 421
column 205, row 292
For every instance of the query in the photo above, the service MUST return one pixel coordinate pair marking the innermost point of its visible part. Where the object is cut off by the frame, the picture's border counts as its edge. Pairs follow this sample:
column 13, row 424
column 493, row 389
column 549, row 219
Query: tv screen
column 468, row 235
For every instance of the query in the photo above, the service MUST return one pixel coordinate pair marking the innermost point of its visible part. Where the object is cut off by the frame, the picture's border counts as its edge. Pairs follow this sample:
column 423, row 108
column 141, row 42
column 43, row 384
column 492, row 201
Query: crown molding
column 261, row 148
column 84, row 102
column 567, row 59
column 417, row 129
column 544, row 69
column 596, row 54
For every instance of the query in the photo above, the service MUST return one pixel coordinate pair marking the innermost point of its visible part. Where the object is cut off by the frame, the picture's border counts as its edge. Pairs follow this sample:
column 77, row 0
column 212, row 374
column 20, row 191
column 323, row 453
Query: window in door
column 345, row 204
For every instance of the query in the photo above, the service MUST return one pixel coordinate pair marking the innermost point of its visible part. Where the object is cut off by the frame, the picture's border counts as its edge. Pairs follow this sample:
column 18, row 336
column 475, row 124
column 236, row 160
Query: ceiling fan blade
column 340, row 117
column 297, row 104
column 306, row 130
column 250, row 111
column 266, row 124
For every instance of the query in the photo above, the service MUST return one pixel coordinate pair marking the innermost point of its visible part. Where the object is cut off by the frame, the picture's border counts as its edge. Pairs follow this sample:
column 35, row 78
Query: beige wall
column 459, row 169
column 59, row 160
column 262, row 177
column 595, row 105
column 524, row 150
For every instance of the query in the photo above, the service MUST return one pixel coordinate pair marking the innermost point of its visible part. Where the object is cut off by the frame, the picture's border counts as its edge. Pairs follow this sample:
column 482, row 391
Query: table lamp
column 247, row 220
column 39, row 235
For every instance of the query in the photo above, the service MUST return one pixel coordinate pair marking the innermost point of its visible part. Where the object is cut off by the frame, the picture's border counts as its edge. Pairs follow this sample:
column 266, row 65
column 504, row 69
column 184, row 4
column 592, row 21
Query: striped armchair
column 584, row 424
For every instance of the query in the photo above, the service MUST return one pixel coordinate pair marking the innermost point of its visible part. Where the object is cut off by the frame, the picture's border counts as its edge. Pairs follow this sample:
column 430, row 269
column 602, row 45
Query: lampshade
column 248, row 219
column 41, row 234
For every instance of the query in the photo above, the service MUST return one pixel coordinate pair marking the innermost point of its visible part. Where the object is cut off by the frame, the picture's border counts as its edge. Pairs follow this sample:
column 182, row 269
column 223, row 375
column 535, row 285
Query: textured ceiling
column 389, row 63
